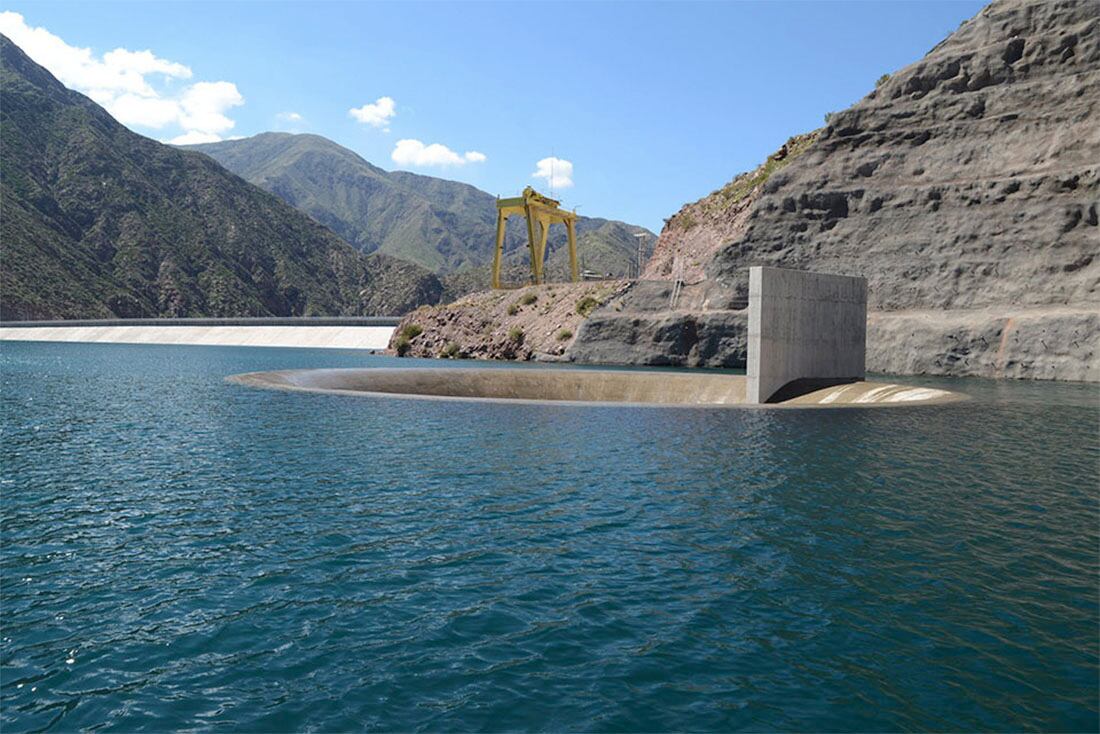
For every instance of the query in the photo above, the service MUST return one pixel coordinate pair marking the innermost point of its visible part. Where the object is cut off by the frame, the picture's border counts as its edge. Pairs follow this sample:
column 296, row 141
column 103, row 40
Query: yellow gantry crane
column 540, row 212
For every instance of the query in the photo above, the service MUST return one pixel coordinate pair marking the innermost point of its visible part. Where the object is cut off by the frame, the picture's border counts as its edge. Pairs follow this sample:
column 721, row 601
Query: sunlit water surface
column 182, row 553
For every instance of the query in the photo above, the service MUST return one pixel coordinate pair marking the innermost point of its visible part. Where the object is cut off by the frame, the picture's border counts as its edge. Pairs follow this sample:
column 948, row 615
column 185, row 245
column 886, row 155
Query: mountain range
column 101, row 222
column 446, row 226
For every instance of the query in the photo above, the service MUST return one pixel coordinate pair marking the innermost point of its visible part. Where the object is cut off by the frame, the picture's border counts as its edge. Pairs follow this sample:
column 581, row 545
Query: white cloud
column 291, row 122
column 376, row 114
column 194, row 137
column 558, row 173
column 203, row 106
column 141, row 63
column 118, row 81
column 132, row 109
column 411, row 152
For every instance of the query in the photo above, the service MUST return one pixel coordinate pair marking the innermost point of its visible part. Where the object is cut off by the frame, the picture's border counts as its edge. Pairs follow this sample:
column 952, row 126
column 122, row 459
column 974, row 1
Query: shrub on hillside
column 587, row 305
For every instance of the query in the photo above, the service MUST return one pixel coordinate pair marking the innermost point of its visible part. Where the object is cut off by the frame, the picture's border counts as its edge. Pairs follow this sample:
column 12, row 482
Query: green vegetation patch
column 528, row 299
column 587, row 305
column 450, row 351
column 513, row 309
column 515, row 334
column 564, row 334
column 743, row 185
column 412, row 331
column 686, row 221
column 401, row 345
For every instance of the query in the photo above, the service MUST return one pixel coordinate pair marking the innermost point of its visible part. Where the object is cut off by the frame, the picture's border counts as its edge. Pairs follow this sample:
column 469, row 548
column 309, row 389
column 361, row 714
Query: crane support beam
column 502, row 219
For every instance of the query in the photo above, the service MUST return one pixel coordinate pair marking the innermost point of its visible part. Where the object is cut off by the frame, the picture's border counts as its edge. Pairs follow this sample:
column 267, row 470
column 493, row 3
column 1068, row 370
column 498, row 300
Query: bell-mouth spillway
column 624, row 387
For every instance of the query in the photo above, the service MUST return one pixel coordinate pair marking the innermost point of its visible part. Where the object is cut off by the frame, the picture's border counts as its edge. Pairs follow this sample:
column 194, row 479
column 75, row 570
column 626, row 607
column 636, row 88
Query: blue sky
column 646, row 106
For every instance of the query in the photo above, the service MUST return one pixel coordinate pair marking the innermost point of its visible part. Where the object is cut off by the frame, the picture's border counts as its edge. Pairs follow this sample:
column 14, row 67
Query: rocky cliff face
column 693, row 235
column 967, row 179
column 964, row 188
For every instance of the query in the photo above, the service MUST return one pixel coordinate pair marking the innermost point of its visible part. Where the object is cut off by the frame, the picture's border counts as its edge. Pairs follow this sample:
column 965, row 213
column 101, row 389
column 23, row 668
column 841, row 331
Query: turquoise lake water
column 182, row 553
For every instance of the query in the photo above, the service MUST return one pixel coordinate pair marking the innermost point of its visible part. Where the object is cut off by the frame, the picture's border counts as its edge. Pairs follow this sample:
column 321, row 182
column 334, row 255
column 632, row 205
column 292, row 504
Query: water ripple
column 180, row 553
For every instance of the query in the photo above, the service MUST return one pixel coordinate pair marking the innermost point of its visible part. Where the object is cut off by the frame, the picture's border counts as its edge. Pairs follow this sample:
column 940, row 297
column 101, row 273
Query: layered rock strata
column 964, row 188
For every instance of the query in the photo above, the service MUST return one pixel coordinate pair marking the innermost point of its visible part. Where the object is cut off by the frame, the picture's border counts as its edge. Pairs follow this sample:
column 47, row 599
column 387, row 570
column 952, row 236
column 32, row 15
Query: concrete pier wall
column 319, row 334
column 804, row 326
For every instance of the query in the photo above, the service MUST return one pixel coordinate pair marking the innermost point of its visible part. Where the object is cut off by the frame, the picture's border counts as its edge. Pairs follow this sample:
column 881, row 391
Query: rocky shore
column 536, row 322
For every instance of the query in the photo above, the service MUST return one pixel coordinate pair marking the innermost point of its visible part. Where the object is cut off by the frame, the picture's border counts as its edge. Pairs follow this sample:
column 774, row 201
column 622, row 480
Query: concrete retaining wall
column 351, row 336
column 804, row 326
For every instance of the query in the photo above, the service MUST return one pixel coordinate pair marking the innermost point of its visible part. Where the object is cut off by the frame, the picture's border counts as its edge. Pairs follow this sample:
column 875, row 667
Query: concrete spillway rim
column 278, row 380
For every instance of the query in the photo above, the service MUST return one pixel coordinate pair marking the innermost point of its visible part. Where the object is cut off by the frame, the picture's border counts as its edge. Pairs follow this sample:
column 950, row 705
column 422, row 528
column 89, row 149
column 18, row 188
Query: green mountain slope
column 445, row 226
column 98, row 221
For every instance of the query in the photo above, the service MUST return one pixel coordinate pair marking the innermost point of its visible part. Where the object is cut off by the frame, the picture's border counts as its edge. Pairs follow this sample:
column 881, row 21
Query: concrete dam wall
column 315, row 333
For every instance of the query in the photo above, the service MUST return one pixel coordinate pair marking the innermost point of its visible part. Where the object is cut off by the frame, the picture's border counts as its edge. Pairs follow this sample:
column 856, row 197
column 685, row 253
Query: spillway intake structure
column 624, row 387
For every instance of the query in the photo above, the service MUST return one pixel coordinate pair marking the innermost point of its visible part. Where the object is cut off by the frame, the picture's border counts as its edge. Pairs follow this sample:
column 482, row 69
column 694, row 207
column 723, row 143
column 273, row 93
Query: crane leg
column 532, row 245
column 572, row 232
column 543, row 234
column 502, row 219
